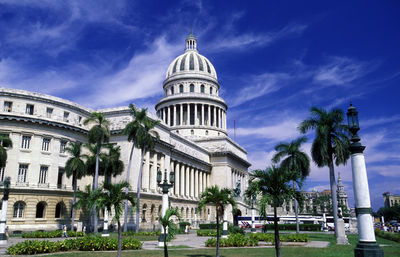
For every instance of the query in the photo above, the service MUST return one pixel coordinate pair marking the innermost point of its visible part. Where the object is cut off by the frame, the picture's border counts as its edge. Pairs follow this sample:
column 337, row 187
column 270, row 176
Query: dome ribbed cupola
column 191, row 105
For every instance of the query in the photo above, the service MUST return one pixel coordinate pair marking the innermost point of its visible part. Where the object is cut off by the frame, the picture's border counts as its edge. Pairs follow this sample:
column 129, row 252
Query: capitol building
column 193, row 143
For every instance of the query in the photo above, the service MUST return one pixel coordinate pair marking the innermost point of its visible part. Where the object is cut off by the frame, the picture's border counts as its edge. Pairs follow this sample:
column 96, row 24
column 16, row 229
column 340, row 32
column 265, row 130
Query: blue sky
column 274, row 60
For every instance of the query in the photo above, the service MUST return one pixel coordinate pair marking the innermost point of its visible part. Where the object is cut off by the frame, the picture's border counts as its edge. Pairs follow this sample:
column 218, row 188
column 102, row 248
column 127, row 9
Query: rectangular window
column 63, row 144
column 66, row 115
column 60, row 177
column 45, row 144
column 43, row 174
column 26, row 141
column 80, row 120
column 2, row 174
column 49, row 112
column 29, row 109
column 22, row 170
column 7, row 106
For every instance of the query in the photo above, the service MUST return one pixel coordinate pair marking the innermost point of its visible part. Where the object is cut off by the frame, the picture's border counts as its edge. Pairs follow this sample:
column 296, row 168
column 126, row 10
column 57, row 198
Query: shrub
column 52, row 234
column 388, row 235
column 89, row 243
column 235, row 230
column 142, row 233
column 303, row 227
column 206, row 232
column 283, row 238
column 233, row 240
column 209, row 226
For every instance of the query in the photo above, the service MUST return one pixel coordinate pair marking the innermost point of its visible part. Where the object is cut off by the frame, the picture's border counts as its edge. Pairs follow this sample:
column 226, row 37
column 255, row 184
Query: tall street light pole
column 165, row 186
column 3, row 213
column 366, row 245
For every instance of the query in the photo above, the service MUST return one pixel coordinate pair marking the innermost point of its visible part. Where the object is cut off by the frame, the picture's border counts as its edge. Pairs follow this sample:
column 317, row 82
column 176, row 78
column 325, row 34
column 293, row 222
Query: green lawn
column 391, row 249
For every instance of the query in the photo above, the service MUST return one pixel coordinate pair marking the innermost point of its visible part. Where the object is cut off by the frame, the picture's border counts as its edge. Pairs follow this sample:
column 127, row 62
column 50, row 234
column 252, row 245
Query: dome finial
column 191, row 42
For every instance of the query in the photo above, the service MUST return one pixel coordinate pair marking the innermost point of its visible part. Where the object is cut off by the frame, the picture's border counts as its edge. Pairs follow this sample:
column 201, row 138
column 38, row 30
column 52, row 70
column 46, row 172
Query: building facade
column 390, row 200
column 193, row 143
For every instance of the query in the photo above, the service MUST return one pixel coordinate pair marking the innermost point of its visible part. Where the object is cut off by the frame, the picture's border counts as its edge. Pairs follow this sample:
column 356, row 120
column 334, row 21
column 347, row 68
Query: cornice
column 232, row 155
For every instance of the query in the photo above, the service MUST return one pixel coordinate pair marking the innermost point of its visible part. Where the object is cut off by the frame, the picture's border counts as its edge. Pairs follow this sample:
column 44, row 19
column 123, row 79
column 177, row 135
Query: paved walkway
column 191, row 240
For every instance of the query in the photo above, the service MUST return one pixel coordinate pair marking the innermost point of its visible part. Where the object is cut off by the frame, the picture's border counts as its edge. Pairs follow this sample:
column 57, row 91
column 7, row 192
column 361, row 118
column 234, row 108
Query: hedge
column 303, row 227
column 52, row 234
column 388, row 235
column 142, row 233
column 233, row 240
column 282, row 238
column 206, row 232
column 89, row 243
column 209, row 226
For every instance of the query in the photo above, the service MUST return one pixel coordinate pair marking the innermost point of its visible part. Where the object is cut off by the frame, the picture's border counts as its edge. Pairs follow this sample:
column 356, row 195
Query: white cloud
column 340, row 71
column 260, row 159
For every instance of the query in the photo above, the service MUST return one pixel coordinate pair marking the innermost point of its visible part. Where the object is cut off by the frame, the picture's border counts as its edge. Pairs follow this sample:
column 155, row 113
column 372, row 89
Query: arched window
column 191, row 88
column 211, row 91
column 40, row 210
column 183, row 213
column 172, row 90
column 19, row 210
column 152, row 213
column 144, row 212
column 60, row 207
column 180, row 88
column 202, row 89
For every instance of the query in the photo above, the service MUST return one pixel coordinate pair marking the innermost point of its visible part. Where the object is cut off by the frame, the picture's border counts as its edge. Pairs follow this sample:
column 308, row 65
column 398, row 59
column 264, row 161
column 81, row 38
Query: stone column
column 202, row 114
column 187, row 183
column 168, row 115
column 145, row 174
column 188, row 114
column 177, row 178
column 181, row 114
column 215, row 116
column 209, row 115
column 196, row 183
column 196, row 121
column 153, row 173
column 174, row 118
column 204, row 181
column 201, row 182
column 191, row 182
column 208, row 180
column 164, row 118
column 182, row 178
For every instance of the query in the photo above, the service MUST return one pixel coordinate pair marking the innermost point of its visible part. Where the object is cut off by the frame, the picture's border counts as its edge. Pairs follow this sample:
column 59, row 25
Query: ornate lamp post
column 165, row 186
column 3, row 213
column 367, row 245
column 253, row 221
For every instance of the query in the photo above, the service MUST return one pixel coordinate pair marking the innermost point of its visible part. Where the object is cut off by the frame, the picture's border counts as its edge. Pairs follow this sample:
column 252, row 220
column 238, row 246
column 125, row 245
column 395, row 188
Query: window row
column 26, row 143
column 23, row 170
column 29, row 109
column 192, row 89
column 19, row 210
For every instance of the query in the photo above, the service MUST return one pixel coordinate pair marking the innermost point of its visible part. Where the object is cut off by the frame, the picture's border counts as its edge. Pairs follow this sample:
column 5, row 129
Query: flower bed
column 52, row 234
column 90, row 243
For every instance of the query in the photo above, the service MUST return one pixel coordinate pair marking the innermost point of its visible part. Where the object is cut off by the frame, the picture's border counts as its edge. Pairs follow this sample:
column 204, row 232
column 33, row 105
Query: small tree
column 166, row 222
column 76, row 168
column 113, row 196
column 274, row 182
column 4, row 142
column 87, row 199
column 219, row 198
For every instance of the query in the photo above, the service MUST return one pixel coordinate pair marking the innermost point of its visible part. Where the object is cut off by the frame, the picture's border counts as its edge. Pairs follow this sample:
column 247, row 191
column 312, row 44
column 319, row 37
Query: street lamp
column 366, row 245
column 253, row 221
column 3, row 213
column 165, row 186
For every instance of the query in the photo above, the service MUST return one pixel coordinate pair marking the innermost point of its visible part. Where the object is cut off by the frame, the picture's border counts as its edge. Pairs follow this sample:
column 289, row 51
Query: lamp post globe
column 366, row 245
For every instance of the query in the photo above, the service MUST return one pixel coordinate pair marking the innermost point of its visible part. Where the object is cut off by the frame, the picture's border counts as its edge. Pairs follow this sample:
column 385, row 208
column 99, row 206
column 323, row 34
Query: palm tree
column 218, row 197
column 141, row 132
column 76, row 168
column 98, row 134
column 113, row 196
column 274, row 183
column 166, row 222
column 87, row 199
column 296, row 162
column 113, row 166
column 331, row 144
column 5, row 141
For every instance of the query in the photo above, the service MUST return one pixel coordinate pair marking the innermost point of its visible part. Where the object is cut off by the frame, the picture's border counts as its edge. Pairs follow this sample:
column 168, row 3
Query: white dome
column 191, row 62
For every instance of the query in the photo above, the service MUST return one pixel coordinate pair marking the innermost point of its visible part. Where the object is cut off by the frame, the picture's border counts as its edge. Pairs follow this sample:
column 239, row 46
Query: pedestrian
column 187, row 229
column 84, row 229
column 64, row 231
column 6, row 232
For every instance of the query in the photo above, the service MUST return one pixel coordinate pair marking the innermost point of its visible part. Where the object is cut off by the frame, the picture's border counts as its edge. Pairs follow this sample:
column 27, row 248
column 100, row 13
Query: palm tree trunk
column 119, row 239
column 73, row 202
column 139, row 185
column 277, row 241
column 165, row 243
column 296, row 211
column 96, row 185
column 333, row 195
column 128, row 172
column 217, row 254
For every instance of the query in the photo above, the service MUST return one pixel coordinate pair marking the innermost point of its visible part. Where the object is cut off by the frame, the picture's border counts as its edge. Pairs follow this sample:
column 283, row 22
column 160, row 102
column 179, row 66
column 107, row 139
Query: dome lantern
column 191, row 43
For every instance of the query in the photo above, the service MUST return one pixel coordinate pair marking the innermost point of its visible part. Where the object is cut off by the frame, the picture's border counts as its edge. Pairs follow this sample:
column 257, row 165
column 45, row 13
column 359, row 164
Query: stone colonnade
column 193, row 114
